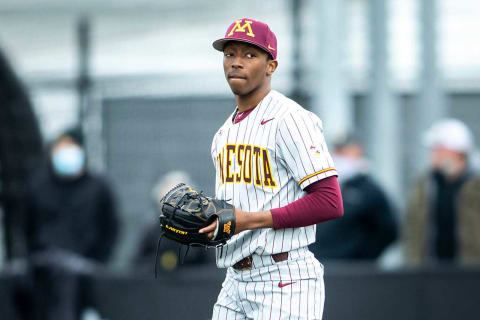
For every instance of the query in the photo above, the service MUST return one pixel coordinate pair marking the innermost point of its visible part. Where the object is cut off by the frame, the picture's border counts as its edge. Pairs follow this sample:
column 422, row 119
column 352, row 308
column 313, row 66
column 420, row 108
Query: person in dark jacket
column 70, row 227
column 368, row 225
column 443, row 214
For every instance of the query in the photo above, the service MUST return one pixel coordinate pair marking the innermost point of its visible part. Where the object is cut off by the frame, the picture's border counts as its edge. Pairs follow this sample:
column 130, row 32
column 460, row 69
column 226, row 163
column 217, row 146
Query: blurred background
column 142, row 83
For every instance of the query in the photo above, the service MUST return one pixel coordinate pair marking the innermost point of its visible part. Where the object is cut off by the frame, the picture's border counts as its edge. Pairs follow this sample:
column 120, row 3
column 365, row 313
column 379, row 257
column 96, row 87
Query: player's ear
column 271, row 66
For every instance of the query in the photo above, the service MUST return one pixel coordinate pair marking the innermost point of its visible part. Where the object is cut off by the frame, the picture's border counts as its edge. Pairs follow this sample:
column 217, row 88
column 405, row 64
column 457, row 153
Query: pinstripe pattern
column 292, row 139
column 303, row 299
column 297, row 151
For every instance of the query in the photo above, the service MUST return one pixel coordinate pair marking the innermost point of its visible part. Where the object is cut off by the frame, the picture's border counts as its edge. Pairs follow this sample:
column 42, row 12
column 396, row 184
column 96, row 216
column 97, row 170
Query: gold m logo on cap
column 239, row 28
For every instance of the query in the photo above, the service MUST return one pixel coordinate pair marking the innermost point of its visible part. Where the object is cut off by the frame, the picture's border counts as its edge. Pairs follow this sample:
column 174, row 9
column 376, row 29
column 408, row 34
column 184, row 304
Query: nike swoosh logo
column 270, row 48
column 281, row 285
column 265, row 121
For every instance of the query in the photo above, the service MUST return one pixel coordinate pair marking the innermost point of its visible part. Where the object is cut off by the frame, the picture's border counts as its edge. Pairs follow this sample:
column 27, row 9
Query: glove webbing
column 158, row 244
column 156, row 253
column 179, row 247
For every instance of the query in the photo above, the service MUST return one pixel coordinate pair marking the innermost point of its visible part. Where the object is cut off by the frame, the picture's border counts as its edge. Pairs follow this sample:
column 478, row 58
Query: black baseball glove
column 186, row 211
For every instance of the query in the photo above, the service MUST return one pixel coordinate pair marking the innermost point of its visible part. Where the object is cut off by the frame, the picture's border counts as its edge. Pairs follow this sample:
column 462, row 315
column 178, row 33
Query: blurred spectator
column 368, row 225
column 71, row 226
column 443, row 217
column 20, row 151
column 169, row 254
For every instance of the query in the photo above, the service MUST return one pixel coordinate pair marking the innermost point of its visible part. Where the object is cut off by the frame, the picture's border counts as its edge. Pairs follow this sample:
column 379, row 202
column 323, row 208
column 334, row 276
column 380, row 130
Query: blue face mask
column 68, row 161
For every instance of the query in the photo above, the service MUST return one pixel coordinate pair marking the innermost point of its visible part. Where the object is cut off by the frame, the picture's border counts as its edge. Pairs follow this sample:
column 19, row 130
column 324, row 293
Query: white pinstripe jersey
column 264, row 162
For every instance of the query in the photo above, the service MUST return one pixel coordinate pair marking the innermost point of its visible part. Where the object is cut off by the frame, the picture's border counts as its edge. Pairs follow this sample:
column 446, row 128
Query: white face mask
column 348, row 167
column 68, row 160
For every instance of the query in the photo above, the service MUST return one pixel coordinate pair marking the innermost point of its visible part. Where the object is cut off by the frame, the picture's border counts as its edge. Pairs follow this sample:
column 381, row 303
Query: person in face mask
column 70, row 227
column 368, row 225
column 68, row 158
column 442, row 219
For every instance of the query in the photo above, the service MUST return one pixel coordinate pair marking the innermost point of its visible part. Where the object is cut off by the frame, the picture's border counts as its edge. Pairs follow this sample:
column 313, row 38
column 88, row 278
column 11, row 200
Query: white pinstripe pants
column 259, row 300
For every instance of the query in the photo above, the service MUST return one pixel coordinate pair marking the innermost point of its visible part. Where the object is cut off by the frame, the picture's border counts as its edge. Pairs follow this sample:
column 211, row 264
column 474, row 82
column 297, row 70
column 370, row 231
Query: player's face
column 247, row 68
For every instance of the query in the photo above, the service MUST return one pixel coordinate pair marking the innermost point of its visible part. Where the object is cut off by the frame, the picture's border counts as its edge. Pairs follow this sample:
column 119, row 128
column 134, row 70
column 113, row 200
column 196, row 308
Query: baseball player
column 273, row 165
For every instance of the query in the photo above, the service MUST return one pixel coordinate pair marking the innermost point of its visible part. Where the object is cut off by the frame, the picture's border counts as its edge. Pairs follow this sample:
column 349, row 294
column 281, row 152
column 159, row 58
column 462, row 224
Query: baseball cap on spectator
column 251, row 31
column 451, row 134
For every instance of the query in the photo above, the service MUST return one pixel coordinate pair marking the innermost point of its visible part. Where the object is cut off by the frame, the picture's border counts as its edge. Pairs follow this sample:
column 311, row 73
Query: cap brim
column 220, row 44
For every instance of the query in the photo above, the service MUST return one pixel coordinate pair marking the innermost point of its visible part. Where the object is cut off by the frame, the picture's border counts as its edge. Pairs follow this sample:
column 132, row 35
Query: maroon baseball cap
column 250, row 31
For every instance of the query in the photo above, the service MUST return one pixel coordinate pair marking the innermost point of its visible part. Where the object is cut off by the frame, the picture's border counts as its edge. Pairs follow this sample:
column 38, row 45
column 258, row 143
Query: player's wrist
column 240, row 218
column 252, row 220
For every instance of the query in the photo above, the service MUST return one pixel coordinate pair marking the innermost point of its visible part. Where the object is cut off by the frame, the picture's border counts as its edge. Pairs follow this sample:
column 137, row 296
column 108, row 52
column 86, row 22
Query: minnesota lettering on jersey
column 253, row 165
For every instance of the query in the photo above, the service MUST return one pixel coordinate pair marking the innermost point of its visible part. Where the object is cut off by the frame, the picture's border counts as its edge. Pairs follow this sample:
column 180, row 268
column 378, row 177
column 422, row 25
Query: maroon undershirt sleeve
column 323, row 202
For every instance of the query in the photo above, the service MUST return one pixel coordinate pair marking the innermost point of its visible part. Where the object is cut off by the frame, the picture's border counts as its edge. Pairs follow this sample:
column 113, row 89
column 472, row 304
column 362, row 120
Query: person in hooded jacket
column 369, row 224
column 70, row 226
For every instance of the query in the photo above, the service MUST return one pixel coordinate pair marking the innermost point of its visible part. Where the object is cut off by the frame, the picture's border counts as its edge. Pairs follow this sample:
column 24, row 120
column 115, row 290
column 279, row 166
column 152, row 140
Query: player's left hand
column 185, row 212
column 209, row 230
column 240, row 221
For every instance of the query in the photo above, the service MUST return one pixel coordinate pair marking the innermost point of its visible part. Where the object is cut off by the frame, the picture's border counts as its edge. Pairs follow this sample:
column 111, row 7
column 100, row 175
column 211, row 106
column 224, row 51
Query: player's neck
column 251, row 100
